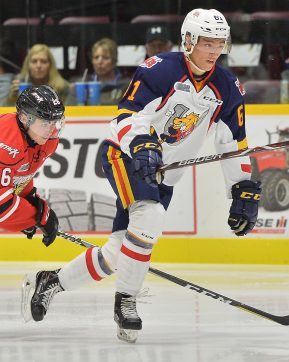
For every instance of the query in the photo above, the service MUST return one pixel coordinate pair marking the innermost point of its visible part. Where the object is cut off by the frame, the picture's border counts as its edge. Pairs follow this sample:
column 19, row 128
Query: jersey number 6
column 5, row 177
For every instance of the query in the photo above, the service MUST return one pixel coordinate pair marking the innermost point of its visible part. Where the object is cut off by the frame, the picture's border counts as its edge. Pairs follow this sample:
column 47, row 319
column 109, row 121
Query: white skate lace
column 144, row 293
column 49, row 293
column 128, row 305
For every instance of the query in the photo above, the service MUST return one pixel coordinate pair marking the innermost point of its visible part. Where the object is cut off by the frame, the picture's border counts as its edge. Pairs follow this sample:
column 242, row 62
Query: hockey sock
column 133, row 264
column 88, row 266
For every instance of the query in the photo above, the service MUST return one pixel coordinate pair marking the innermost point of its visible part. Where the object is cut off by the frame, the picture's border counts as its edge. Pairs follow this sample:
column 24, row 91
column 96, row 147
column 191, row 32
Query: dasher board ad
column 75, row 186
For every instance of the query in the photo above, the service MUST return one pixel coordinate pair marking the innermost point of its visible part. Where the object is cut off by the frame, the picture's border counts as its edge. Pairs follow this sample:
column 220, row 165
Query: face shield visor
column 44, row 128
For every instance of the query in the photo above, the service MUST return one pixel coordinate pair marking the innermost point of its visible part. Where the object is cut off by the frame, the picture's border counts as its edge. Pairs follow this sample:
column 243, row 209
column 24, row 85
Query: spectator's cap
column 157, row 32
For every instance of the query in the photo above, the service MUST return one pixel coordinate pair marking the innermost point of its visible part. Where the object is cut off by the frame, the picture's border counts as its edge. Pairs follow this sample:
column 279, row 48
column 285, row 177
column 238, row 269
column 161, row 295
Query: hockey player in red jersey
column 174, row 102
column 27, row 138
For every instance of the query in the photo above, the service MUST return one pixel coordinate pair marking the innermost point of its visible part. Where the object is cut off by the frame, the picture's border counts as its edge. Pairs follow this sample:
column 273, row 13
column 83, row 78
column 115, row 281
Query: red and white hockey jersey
column 19, row 162
column 165, row 100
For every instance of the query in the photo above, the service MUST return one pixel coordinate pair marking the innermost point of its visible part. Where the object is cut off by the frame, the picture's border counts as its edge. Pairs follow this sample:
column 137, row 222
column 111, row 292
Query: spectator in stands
column 7, row 68
column 285, row 72
column 104, row 60
column 157, row 40
column 284, row 90
column 241, row 34
column 39, row 68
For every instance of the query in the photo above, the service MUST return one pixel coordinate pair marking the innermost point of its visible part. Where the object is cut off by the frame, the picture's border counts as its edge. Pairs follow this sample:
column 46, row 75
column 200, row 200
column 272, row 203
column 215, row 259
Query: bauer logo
column 150, row 62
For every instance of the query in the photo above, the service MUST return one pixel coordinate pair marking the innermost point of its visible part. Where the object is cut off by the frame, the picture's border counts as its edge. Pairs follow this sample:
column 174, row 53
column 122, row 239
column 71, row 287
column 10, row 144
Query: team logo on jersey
column 179, row 125
column 24, row 167
column 11, row 151
column 150, row 62
column 240, row 86
column 20, row 182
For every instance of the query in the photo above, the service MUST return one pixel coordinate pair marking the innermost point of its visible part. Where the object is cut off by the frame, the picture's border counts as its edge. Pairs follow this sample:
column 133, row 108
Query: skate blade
column 27, row 291
column 127, row 335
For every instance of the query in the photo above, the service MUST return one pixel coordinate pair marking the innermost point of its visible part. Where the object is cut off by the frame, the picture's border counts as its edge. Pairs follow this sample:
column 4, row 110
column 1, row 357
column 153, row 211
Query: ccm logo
column 250, row 195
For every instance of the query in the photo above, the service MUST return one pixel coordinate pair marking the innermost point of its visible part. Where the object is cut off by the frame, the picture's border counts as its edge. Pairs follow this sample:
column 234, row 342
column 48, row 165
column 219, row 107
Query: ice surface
column 179, row 325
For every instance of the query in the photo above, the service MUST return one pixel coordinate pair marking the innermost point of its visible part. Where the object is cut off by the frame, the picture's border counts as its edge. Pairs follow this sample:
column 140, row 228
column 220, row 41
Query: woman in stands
column 39, row 68
column 104, row 60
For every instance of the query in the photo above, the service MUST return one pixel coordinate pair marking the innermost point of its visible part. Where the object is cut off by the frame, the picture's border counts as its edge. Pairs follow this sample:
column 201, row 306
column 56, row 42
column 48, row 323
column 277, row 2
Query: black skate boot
column 43, row 286
column 126, row 317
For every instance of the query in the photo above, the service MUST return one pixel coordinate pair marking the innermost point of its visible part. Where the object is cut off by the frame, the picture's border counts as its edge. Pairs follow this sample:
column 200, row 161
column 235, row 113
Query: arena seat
column 157, row 18
column 262, row 91
column 270, row 15
column 84, row 20
column 237, row 16
column 25, row 21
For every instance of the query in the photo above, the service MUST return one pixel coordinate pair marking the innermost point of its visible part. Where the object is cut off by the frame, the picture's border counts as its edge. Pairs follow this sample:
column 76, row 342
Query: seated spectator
column 284, row 94
column 285, row 72
column 104, row 60
column 39, row 68
column 7, row 69
column 241, row 34
column 157, row 40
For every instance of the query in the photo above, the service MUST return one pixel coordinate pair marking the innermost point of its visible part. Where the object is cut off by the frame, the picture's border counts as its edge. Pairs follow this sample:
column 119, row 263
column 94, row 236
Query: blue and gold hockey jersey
column 165, row 100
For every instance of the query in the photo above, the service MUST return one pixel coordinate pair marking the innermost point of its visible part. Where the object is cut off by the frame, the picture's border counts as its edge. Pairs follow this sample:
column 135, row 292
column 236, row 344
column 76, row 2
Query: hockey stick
column 224, row 156
column 284, row 320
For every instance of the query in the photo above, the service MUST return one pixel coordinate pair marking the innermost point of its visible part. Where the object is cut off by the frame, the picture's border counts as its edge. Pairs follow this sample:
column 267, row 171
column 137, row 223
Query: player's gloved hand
column 46, row 219
column 147, row 158
column 29, row 232
column 244, row 208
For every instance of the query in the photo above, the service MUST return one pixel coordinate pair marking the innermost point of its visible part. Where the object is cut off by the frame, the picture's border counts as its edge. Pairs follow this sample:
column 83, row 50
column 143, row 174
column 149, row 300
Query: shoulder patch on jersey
column 240, row 86
column 182, row 87
column 150, row 62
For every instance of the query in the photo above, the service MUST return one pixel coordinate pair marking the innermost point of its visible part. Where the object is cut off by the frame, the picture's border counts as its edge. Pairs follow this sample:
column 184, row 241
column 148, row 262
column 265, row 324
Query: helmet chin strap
column 194, row 65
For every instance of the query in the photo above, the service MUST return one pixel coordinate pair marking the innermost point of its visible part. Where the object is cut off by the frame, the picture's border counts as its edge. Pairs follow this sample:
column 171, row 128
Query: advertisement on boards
column 75, row 186
column 73, row 182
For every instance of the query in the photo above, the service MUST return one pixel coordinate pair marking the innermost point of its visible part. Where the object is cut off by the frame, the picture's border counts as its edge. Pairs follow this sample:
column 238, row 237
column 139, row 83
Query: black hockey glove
column 29, row 232
column 244, row 208
column 46, row 219
column 147, row 158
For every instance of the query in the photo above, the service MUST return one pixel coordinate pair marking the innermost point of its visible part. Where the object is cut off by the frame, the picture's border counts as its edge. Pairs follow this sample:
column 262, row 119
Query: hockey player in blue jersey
column 174, row 102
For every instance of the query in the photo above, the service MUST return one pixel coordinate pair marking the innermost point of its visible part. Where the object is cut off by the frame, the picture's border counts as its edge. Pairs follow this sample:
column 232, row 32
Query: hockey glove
column 244, row 208
column 46, row 219
column 147, row 158
column 29, row 232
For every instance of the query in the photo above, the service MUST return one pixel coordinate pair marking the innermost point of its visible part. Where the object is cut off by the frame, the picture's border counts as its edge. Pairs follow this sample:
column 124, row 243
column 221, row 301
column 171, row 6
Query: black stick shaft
column 224, row 156
column 284, row 320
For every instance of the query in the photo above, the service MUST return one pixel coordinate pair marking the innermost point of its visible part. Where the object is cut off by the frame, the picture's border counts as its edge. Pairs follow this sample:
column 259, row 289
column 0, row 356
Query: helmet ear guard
column 207, row 23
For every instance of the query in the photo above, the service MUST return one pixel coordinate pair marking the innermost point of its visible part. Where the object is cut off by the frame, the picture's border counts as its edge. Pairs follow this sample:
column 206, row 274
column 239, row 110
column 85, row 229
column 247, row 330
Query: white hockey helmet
column 208, row 23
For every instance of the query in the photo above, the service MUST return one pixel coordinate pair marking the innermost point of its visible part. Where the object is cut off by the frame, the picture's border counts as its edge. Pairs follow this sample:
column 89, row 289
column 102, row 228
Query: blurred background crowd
column 63, row 43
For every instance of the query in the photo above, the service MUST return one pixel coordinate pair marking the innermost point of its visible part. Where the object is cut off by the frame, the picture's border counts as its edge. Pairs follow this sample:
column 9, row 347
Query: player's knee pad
column 146, row 219
column 110, row 249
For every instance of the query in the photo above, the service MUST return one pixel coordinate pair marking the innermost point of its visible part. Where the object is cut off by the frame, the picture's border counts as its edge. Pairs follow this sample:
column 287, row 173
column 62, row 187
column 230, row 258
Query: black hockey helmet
column 40, row 102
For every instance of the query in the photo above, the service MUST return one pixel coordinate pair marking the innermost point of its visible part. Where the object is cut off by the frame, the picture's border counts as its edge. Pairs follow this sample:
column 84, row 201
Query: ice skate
column 37, row 293
column 126, row 317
